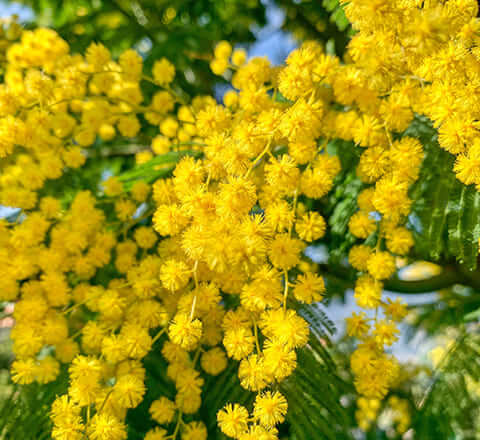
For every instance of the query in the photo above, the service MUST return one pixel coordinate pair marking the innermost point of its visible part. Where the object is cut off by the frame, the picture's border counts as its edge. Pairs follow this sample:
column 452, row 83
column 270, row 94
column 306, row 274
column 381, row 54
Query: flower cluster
column 96, row 287
column 423, row 64
column 207, row 266
column 428, row 62
column 235, row 223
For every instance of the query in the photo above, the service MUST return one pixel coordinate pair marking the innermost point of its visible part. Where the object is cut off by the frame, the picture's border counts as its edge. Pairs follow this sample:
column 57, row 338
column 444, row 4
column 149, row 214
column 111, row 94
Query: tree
column 162, row 256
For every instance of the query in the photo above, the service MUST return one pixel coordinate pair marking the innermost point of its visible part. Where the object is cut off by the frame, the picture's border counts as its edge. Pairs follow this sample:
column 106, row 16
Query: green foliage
column 445, row 211
column 315, row 389
column 457, row 415
column 24, row 412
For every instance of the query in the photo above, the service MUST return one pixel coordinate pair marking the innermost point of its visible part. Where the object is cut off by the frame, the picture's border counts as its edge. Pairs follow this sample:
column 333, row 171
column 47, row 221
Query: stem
column 160, row 333
column 195, row 267
column 197, row 355
column 105, row 400
column 76, row 306
column 255, row 331
column 259, row 157
column 177, row 427
column 440, row 365
column 295, row 199
column 285, row 292
column 192, row 311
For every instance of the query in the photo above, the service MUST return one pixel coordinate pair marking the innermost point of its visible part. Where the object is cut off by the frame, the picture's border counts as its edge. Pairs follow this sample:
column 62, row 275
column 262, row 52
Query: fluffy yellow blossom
column 214, row 361
column 381, row 265
column 311, row 226
column 162, row 410
column 232, row 420
column 357, row 325
column 163, row 71
column 309, row 288
column 368, row 292
column 361, row 225
column 185, row 331
column 270, row 408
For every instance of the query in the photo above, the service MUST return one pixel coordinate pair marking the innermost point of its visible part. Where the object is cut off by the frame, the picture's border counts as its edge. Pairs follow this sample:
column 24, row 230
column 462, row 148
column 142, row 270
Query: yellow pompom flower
column 311, row 226
column 252, row 373
column 270, row 408
column 125, row 209
column 239, row 342
column 309, row 288
column 169, row 220
column 162, row 410
column 156, row 434
column 361, row 225
column 280, row 360
column 131, row 63
column 214, row 361
column 284, row 252
column 396, row 310
column 230, row 99
column 357, row 325
column 188, row 403
column 128, row 391
column 381, row 265
column 174, row 274
column 185, row 331
column 287, row 328
column 385, row 332
column 145, row 237
column 24, row 371
column 112, row 187
column 106, row 427
column 399, row 241
column 239, row 57
column 232, row 420
column 368, row 292
column 161, row 145
column 358, row 256
column 223, row 49
column 140, row 191
column 219, row 66
column 47, row 370
column 163, row 72
column 97, row 55
column 194, row 431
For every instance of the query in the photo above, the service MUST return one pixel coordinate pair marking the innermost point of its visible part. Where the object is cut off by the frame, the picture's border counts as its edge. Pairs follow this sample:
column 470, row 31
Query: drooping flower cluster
column 427, row 62
column 96, row 288
column 422, row 64
column 207, row 266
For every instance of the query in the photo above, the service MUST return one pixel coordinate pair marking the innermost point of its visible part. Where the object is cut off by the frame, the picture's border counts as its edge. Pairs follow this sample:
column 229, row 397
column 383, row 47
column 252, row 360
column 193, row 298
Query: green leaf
column 156, row 168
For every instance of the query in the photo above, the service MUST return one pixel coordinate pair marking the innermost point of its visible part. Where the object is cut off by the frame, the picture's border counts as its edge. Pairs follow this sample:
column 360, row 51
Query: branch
column 123, row 150
column 447, row 278
column 451, row 274
column 132, row 19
